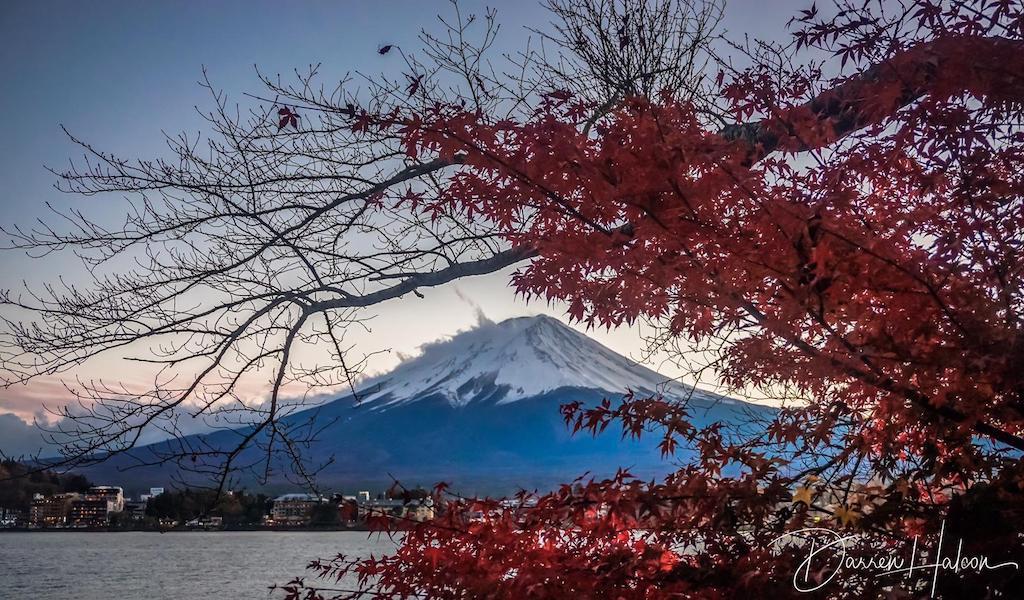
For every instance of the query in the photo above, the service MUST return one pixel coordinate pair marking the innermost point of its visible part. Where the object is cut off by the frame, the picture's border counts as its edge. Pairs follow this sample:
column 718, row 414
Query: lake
column 225, row 565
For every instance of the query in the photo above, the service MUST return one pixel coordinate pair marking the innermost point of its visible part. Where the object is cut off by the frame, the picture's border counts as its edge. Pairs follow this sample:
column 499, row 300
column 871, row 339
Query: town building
column 153, row 493
column 348, row 508
column 135, row 511
column 384, row 507
column 51, row 511
column 293, row 509
column 112, row 494
column 93, row 510
column 89, row 512
column 10, row 517
column 420, row 511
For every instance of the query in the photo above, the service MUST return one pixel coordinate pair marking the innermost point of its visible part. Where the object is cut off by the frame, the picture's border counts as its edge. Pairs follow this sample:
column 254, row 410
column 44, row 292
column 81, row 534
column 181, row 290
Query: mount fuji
column 481, row 410
column 506, row 362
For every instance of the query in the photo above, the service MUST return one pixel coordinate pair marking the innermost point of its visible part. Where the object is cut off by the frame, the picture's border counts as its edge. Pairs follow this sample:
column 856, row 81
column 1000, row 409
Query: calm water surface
column 170, row 566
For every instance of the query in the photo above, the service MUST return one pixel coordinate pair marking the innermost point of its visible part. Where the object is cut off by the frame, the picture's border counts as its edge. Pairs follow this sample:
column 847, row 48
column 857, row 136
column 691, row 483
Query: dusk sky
column 243, row 321
column 120, row 74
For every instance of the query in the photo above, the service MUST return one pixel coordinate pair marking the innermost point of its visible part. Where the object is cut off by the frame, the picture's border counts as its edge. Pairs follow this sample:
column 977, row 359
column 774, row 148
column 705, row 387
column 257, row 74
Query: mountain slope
column 481, row 410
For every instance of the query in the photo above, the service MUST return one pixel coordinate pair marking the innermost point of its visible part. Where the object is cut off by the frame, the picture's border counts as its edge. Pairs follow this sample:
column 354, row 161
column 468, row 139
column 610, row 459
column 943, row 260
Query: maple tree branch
column 849, row 107
column 483, row 266
column 882, row 89
column 884, row 383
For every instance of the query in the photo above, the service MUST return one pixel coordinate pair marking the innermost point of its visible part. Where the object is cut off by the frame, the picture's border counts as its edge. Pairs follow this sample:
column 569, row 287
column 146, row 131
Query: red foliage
column 859, row 248
column 287, row 117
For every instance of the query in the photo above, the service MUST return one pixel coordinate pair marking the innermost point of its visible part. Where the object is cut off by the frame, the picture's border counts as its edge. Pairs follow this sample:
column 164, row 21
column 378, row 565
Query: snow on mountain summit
column 511, row 360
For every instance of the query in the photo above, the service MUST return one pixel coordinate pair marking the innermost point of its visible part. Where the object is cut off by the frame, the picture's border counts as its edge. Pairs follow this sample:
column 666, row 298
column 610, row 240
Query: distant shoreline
column 12, row 530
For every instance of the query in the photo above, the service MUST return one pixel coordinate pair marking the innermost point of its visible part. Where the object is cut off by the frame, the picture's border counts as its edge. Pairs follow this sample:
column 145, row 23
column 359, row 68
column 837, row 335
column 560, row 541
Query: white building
column 294, row 509
column 153, row 493
column 112, row 494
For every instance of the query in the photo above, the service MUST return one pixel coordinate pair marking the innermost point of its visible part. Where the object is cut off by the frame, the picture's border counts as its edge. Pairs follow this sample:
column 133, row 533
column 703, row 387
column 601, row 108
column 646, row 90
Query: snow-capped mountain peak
column 508, row 361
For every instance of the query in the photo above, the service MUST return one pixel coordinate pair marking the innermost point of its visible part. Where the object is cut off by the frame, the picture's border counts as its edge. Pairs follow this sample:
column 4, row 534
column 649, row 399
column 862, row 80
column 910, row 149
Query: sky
column 118, row 73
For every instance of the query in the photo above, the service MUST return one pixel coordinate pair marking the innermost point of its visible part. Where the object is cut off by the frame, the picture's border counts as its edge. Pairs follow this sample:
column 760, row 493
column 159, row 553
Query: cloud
column 24, row 406
column 31, row 401
column 481, row 317
column 18, row 438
